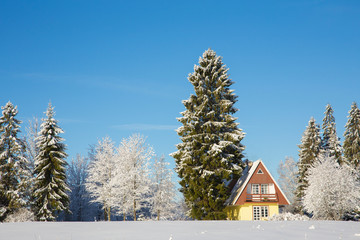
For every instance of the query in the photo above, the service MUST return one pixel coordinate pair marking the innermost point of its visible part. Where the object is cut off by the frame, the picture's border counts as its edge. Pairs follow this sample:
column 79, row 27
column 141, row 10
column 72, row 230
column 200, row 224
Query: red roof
column 256, row 174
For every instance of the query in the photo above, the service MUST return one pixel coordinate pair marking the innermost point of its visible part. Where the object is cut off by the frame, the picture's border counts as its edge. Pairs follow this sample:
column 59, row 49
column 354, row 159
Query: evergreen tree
column 14, row 173
column 330, row 143
column 352, row 137
column 50, row 167
column 308, row 153
column 210, row 152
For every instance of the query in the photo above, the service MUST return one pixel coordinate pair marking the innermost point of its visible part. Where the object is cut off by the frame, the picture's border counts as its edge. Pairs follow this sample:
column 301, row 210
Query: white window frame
column 264, row 189
column 256, row 213
column 255, row 187
column 260, row 212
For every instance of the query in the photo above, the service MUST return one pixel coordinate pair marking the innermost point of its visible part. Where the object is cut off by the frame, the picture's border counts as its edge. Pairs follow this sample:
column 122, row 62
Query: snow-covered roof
column 243, row 181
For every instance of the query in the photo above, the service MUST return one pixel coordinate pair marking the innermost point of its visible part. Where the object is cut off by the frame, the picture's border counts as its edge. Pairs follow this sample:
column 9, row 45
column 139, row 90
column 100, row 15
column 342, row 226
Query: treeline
column 113, row 183
column 324, row 184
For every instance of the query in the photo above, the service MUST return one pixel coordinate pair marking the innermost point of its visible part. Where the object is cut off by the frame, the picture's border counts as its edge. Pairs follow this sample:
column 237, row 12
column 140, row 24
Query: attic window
column 260, row 172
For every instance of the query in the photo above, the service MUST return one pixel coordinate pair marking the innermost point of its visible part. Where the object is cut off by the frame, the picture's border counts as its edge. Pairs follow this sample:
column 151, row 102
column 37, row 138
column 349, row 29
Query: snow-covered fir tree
column 163, row 202
column 330, row 142
column 79, row 197
column 308, row 153
column 210, row 152
column 50, row 196
column 100, row 182
column 352, row 137
column 333, row 189
column 133, row 175
column 288, row 171
column 14, row 173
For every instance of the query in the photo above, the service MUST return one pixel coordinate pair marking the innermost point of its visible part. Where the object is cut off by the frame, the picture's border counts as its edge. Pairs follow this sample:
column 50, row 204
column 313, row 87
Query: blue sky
column 120, row 67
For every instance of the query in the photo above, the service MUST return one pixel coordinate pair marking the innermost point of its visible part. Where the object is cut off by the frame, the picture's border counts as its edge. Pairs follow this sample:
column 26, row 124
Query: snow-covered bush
column 21, row 215
column 333, row 189
column 289, row 217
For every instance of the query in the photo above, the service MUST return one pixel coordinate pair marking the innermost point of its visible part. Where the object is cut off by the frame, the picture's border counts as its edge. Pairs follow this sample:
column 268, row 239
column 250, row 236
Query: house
column 256, row 195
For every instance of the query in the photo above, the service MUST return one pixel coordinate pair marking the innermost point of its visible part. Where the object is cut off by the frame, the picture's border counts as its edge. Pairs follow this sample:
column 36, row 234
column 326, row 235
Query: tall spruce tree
column 210, row 152
column 330, row 142
column 14, row 173
column 50, row 167
column 308, row 153
column 352, row 137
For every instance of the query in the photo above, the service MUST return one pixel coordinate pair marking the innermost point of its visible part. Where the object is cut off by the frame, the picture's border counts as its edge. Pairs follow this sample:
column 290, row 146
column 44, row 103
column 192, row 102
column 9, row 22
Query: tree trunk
column 158, row 215
column 107, row 214
column 134, row 210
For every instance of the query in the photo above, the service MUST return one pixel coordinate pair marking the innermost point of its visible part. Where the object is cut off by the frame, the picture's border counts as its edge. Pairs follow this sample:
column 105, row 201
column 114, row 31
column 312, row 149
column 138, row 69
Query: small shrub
column 289, row 217
column 21, row 215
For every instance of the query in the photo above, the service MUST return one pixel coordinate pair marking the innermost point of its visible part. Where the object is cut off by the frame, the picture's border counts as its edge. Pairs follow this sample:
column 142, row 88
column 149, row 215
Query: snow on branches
column 133, row 174
column 119, row 178
column 163, row 198
column 333, row 190
column 100, row 180
column 352, row 137
column 211, row 149
column 50, row 167
column 14, row 172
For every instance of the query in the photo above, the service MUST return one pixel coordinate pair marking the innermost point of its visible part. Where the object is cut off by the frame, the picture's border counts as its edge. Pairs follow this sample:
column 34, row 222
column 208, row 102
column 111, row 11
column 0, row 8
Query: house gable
column 260, row 176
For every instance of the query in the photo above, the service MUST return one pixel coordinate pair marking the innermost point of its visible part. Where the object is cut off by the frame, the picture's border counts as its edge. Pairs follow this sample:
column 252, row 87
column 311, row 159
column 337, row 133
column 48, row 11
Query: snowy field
column 179, row 230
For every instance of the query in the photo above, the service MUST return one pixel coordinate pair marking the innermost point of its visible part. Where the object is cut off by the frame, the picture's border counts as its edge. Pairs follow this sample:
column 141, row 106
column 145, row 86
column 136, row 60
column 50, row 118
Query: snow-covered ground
column 180, row 230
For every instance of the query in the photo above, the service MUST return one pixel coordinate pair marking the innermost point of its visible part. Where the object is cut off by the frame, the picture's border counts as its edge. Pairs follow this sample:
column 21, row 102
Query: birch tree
column 32, row 133
column 288, row 171
column 77, row 173
column 163, row 202
column 133, row 174
column 100, row 181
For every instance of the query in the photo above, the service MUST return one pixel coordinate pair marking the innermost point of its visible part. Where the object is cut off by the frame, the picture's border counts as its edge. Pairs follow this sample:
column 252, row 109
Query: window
column 264, row 188
column 260, row 212
column 264, row 211
column 255, row 189
column 256, row 213
column 260, row 172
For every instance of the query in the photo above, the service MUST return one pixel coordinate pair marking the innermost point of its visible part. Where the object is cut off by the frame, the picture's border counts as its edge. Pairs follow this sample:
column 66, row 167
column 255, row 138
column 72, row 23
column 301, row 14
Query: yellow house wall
column 245, row 212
